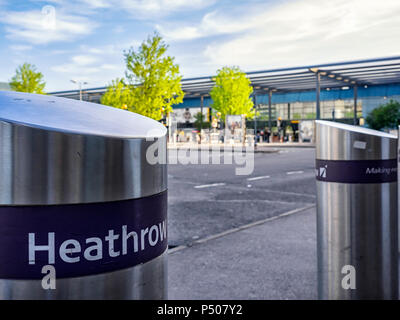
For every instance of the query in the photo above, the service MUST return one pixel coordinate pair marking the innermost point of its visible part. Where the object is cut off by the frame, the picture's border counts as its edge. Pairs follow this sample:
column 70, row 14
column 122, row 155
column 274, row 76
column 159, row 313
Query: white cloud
column 293, row 32
column 93, row 65
column 108, row 66
column 181, row 33
column 109, row 49
column 20, row 47
column 119, row 29
column 97, row 3
column 48, row 25
column 314, row 31
column 84, row 60
column 139, row 9
column 85, row 73
column 142, row 9
column 70, row 20
column 213, row 23
column 81, row 64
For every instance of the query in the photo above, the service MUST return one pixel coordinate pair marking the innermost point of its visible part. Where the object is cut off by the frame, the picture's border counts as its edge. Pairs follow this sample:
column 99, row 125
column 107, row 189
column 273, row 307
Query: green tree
column 231, row 93
column 200, row 122
column 118, row 95
column 296, row 116
column 153, row 79
column 27, row 79
column 311, row 115
column 385, row 116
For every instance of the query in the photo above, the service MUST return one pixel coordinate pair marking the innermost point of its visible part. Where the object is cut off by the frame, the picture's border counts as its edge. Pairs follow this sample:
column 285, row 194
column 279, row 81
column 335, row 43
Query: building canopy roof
column 332, row 75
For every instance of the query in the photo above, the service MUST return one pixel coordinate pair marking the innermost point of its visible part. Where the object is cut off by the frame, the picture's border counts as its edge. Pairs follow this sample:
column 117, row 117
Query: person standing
column 267, row 135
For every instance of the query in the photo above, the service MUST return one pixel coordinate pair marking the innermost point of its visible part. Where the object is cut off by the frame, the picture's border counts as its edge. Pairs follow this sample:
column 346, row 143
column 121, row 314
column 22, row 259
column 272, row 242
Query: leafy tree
column 296, row 116
column 153, row 79
column 311, row 115
column 200, row 122
column 27, row 79
column 385, row 116
column 231, row 93
column 118, row 95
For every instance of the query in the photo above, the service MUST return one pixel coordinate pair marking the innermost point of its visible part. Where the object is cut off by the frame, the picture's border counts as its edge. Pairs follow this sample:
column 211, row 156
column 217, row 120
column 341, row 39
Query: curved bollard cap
column 61, row 151
column 339, row 141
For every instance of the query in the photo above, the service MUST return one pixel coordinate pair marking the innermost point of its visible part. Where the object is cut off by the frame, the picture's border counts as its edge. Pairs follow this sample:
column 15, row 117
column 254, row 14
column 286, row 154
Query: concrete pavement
column 272, row 259
column 219, row 249
column 204, row 200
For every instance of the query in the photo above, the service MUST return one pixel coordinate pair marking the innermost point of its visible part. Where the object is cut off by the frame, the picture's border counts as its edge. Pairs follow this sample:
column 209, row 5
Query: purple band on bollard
column 356, row 171
column 81, row 239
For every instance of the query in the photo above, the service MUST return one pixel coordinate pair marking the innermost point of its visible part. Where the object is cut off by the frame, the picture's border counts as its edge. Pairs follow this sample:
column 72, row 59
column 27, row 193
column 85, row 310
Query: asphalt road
column 275, row 259
column 206, row 200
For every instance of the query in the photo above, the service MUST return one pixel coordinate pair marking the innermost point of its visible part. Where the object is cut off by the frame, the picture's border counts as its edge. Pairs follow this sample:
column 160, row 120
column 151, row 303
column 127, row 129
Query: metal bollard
column 83, row 201
column 357, row 230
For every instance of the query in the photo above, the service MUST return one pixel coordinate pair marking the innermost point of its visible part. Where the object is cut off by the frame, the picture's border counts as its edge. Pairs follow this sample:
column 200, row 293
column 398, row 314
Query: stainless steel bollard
column 357, row 230
column 83, row 197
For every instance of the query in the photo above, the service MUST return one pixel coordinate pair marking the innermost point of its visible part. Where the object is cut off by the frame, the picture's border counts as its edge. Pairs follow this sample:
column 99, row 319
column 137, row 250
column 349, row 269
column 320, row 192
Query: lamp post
column 80, row 83
column 255, row 119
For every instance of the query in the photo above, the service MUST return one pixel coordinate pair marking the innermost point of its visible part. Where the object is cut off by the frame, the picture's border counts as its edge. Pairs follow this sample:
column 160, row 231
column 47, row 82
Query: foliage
column 385, row 116
column 349, row 114
column 153, row 78
column 296, row 116
column 27, row 79
column 231, row 93
column 263, row 116
column 289, row 129
column 118, row 95
column 200, row 122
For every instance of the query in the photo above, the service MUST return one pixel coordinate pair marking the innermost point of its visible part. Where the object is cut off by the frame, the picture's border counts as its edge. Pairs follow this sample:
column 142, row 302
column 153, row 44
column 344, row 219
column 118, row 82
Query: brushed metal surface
column 357, row 224
column 52, row 113
column 71, row 152
column 61, row 151
column 147, row 281
column 336, row 141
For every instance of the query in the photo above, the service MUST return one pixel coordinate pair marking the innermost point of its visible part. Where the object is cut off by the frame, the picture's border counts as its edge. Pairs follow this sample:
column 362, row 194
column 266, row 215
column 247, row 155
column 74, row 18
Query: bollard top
column 356, row 129
column 338, row 141
column 76, row 117
column 62, row 151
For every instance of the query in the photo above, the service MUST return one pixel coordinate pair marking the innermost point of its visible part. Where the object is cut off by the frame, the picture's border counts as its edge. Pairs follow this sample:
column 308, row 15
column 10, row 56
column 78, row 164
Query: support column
column 255, row 119
column 201, row 110
column 355, row 91
column 318, row 89
column 270, row 112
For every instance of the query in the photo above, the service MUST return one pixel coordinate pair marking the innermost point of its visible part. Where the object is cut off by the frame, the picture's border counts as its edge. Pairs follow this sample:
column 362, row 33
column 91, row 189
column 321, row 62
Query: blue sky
column 84, row 40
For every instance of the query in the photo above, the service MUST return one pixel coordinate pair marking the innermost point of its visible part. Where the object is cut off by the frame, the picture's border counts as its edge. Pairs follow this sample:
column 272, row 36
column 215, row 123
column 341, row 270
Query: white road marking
column 258, row 178
column 295, row 172
column 244, row 227
column 209, row 185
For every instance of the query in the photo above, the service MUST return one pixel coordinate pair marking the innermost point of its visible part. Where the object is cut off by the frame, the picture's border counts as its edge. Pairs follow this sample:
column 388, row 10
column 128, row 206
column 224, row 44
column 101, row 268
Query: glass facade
column 334, row 109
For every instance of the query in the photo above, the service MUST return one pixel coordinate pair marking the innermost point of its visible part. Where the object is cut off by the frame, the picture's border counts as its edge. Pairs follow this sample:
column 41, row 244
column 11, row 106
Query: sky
column 85, row 40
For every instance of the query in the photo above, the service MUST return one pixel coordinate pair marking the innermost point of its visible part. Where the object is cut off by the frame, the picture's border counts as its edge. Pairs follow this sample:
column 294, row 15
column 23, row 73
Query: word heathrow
column 70, row 251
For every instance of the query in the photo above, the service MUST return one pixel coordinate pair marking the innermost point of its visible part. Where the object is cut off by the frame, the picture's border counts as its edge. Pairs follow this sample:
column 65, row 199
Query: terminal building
column 4, row 86
column 342, row 91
